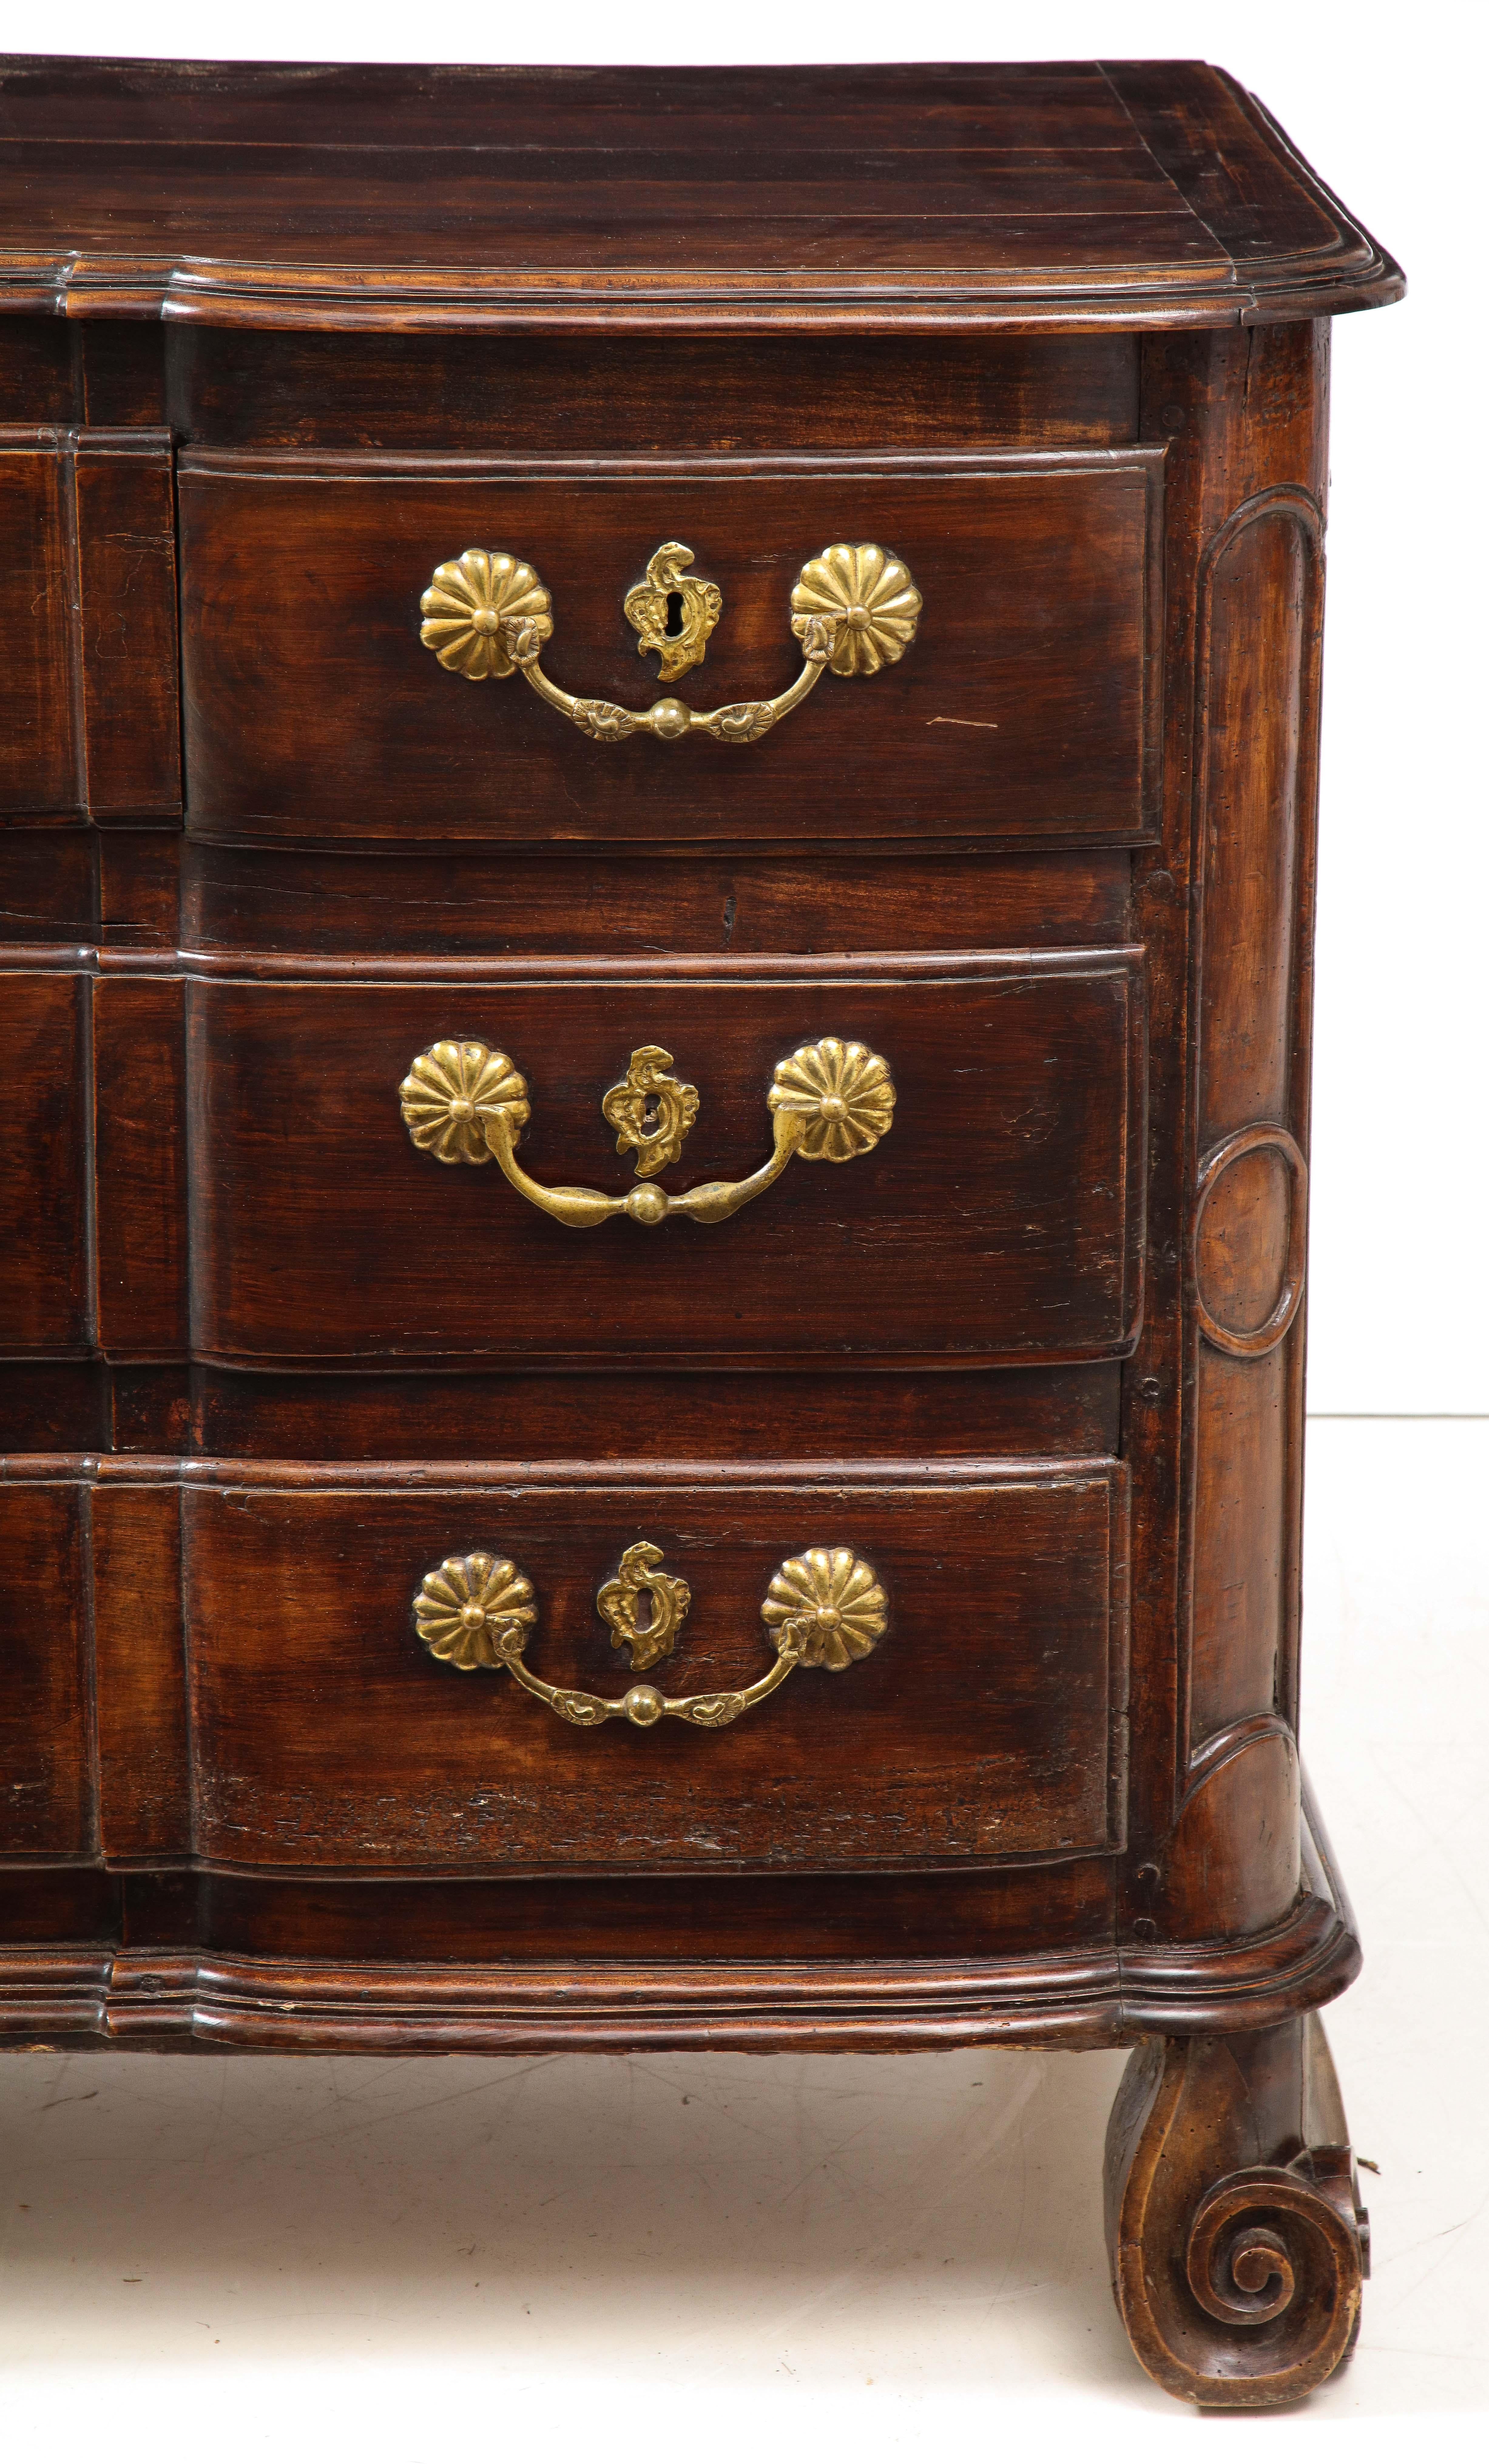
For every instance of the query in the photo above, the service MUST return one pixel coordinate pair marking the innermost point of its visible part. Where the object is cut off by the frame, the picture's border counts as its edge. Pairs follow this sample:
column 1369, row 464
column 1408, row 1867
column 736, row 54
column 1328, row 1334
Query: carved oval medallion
column 1270, row 1223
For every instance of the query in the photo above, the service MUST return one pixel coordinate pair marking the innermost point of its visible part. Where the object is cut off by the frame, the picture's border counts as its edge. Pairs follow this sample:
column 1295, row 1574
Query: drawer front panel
column 47, row 1789
column 36, row 721
column 88, row 658
column 46, row 1302
column 998, row 1216
column 1025, row 709
column 982, row 1723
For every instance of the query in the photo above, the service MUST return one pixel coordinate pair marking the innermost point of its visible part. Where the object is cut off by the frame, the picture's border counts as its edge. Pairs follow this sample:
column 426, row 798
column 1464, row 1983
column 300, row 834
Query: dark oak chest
column 660, row 740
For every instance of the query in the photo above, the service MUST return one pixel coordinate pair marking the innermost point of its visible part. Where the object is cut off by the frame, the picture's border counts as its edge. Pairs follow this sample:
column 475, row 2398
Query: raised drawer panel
column 998, row 1218
column 45, row 1165
column 89, row 716
column 984, row 1724
column 1025, row 709
column 37, row 594
column 47, row 1784
column 128, row 643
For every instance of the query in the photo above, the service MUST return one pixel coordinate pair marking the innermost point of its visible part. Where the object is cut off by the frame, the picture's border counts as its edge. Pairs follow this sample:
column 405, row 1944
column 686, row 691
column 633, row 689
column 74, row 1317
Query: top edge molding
column 1075, row 197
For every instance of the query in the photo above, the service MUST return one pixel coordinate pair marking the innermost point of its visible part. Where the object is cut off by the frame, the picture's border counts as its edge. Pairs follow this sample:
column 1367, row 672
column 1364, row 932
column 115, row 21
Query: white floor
column 410, row 2261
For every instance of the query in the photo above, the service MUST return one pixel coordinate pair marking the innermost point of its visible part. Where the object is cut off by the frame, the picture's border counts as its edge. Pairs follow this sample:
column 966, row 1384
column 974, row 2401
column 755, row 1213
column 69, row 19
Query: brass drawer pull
column 853, row 609
column 824, row 1608
column 465, row 1102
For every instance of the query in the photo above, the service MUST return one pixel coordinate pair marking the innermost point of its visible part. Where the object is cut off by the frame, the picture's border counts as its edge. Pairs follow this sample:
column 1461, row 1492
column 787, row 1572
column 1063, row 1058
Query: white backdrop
column 1385, row 104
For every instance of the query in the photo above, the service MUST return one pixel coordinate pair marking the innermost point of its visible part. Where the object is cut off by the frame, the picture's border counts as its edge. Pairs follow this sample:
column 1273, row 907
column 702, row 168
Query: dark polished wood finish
column 1146, row 193
column 277, row 341
column 1021, row 1089
column 308, row 717
column 1006, row 1746
column 1231, row 2154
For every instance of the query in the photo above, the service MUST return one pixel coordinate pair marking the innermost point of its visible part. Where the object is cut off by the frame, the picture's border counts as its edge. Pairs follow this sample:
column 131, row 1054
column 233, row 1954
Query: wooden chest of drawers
column 659, row 750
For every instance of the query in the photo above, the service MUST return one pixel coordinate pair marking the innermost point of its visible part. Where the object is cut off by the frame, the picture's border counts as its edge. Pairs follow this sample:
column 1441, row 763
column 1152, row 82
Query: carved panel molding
column 1258, row 642
column 1262, row 1137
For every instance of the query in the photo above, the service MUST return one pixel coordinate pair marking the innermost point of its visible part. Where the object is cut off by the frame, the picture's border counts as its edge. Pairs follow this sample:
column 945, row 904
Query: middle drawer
column 839, row 1158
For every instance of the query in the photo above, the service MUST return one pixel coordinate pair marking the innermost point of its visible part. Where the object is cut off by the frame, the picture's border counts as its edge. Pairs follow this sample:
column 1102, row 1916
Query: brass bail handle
column 853, row 609
column 467, row 1103
column 825, row 1609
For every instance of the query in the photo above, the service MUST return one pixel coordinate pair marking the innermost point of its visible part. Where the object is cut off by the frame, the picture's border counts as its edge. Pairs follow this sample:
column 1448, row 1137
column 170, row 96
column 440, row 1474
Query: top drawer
column 1025, row 709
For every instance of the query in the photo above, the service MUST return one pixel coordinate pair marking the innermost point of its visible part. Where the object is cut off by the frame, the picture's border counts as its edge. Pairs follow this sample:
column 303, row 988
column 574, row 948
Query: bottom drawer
column 804, row 1674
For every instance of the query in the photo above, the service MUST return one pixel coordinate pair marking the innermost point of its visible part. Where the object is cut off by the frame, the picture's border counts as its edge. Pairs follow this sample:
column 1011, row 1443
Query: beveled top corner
column 1075, row 196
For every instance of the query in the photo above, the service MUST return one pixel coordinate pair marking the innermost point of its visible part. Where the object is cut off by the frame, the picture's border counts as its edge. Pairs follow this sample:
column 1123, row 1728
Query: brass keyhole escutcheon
column 650, row 1111
column 825, row 1609
column 830, row 1101
column 674, row 611
column 647, row 1632
column 853, row 608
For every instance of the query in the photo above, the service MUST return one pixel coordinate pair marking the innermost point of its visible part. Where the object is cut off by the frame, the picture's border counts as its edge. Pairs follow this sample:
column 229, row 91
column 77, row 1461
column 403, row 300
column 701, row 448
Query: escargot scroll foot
column 1237, row 2242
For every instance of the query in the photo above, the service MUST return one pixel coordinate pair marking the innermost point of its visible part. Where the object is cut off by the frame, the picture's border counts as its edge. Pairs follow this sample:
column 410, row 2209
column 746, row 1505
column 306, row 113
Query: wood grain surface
column 45, row 1279
column 1136, row 192
column 982, row 1726
column 36, row 551
column 1227, row 2161
column 469, row 900
column 542, row 392
column 1025, row 709
column 126, row 621
column 998, row 1216
column 48, row 1801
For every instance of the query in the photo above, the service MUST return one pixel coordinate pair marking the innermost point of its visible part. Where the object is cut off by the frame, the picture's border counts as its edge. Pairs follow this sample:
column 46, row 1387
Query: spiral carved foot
column 1238, row 2243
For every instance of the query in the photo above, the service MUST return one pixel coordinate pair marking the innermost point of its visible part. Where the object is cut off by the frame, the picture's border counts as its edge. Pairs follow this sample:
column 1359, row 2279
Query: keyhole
column 644, row 1614
column 651, row 1115
column 673, row 625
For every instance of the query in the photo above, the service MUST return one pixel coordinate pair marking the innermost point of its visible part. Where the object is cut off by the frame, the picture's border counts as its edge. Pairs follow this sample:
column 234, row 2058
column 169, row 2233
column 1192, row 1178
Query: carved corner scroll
column 1237, row 2242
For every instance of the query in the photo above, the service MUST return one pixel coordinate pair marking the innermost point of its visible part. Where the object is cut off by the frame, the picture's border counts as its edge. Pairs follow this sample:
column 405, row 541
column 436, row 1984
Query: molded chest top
column 1076, row 195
